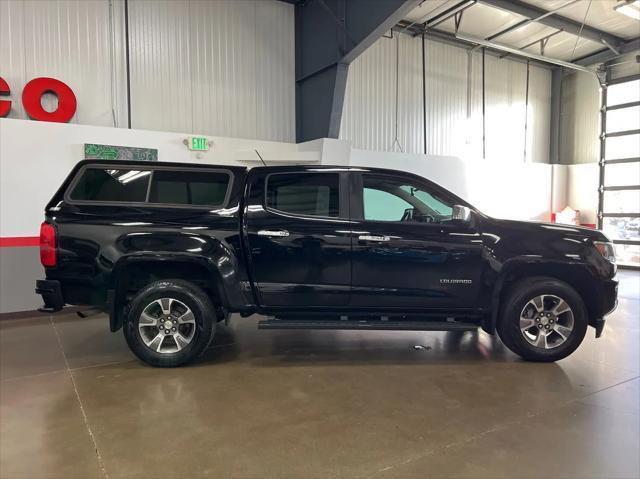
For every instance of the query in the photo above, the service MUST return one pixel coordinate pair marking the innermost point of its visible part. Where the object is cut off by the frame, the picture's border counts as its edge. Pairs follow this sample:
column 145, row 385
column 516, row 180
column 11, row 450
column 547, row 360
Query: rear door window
column 308, row 194
column 111, row 185
column 189, row 187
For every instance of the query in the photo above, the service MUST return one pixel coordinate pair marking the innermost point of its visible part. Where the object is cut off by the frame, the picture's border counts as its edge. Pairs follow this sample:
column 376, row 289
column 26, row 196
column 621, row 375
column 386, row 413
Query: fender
column 222, row 268
column 563, row 270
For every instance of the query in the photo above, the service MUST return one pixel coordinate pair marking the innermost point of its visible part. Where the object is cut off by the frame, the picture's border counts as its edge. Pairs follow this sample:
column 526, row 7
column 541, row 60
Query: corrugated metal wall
column 454, row 111
column 505, row 83
column 538, row 132
column 446, row 99
column 68, row 40
column 368, row 113
column 223, row 67
column 579, row 119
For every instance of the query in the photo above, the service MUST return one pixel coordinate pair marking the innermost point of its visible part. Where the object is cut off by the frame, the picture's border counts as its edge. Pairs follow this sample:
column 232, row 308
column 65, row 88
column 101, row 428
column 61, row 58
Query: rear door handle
column 274, row 233
column 374, row 238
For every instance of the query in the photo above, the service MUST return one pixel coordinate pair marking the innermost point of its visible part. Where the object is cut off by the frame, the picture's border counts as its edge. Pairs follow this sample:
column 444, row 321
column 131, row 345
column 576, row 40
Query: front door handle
column 274, row 233
column 374, row 238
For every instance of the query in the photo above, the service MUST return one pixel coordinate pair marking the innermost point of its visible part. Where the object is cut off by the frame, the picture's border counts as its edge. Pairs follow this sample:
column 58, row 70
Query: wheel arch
column 575, row 275
column 131, row 274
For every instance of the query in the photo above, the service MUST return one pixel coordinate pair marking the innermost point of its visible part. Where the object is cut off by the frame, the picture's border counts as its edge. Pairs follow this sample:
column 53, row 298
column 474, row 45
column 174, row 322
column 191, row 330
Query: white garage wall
column 454, row 125
column 469, row 179
column 582, row 188
column 223, row 67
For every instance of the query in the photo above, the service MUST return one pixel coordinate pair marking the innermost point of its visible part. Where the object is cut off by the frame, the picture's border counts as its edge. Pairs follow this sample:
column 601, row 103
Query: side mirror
column 461, row 214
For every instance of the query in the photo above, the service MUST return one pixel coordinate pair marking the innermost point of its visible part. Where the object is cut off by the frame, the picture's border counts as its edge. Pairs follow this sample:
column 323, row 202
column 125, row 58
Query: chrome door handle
column 275, row 233
column 374, row 238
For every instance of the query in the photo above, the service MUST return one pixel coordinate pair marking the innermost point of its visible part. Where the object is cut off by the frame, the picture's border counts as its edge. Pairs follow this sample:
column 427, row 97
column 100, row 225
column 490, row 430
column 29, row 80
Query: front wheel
column 170, row 323
column 543, row 319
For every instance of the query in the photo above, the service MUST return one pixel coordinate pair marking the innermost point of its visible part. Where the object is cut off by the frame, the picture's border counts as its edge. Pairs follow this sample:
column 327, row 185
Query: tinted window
column 189, row 187
column 99, row 184
column 391, row 199
column 311, row 194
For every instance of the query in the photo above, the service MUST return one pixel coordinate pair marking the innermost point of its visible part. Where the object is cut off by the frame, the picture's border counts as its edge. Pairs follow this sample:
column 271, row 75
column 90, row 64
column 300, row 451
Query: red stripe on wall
column 17, row 241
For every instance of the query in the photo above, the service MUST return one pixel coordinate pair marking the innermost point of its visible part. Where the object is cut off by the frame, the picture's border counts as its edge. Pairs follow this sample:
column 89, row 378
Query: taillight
column 47, row 245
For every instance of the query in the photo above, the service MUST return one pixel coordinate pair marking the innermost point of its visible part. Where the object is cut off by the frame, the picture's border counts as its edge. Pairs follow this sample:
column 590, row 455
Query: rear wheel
column 170, row 323
column 543, row 319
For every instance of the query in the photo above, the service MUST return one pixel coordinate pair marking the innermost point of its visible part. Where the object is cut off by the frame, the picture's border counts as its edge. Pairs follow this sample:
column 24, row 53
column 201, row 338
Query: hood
column 550, row 229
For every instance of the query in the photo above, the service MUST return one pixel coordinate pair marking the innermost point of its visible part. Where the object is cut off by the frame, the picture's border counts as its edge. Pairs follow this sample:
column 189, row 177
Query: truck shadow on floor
column 307, row 347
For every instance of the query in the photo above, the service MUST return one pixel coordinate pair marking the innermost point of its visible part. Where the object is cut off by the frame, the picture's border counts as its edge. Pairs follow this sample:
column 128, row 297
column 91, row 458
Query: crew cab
column 168, row 250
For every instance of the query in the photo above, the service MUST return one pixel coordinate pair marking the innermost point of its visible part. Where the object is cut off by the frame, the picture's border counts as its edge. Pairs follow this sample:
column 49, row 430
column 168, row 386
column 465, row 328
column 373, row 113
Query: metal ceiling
column 580, row 32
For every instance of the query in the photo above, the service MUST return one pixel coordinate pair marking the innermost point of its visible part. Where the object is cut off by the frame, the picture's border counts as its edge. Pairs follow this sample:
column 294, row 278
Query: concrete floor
column 74, row 402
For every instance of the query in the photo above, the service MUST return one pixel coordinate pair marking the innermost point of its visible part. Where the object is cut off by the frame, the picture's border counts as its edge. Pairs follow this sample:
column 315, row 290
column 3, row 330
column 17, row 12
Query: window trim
column 152, row 168
column 427, row 185
column 343, row 212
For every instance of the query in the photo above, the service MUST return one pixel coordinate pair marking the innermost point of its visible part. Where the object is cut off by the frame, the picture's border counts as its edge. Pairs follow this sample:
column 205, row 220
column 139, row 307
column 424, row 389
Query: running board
column 369, row 325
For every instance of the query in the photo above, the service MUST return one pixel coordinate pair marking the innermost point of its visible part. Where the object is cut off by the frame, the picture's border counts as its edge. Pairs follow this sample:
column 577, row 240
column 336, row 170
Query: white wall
column 559, row 187
column 494, row 187
column 582, row 188
column 454, row 112
column 223, row 67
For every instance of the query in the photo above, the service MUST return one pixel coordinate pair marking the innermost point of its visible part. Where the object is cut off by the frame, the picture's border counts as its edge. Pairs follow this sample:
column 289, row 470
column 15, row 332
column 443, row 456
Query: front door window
column 387, row 199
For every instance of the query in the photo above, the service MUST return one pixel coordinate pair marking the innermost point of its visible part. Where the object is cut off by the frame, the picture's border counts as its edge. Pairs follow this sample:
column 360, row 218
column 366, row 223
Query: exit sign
column 198, row 143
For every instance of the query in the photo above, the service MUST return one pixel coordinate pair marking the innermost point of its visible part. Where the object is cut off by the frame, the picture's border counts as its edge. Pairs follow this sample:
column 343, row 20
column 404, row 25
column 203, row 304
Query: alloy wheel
column 546, row 321
column 167, row 325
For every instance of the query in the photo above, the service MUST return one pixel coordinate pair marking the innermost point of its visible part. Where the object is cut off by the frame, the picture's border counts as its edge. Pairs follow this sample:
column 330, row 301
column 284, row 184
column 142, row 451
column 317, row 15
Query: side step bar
column 369, row 325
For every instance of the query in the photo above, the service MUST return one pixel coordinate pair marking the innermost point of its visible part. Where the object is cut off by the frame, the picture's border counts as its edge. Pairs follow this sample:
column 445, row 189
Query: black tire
column 189, row 295
column 513, row 305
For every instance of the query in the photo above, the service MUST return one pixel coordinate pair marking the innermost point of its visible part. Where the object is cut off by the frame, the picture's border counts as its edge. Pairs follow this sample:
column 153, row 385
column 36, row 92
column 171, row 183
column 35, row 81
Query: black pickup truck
column 170, row 249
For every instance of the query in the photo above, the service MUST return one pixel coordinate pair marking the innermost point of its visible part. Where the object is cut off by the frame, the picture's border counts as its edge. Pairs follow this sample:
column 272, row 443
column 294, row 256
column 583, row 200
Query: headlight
column 606, row 250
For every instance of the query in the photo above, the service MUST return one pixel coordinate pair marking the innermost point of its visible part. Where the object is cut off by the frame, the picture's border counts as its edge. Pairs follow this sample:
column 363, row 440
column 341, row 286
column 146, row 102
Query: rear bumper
column 51, row 293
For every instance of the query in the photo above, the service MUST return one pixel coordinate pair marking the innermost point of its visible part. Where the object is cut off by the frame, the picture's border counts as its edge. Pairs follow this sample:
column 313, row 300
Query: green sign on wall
column 199, row 143
column 113, row 152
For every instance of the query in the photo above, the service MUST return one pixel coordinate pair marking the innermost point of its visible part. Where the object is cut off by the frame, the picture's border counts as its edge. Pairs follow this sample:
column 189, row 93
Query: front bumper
column 51, row 293
column 608, row 304
column 609, row 296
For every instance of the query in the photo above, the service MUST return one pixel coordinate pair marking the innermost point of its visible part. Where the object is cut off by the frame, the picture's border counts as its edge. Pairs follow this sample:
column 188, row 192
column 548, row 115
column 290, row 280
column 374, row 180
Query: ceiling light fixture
column 630, row 8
